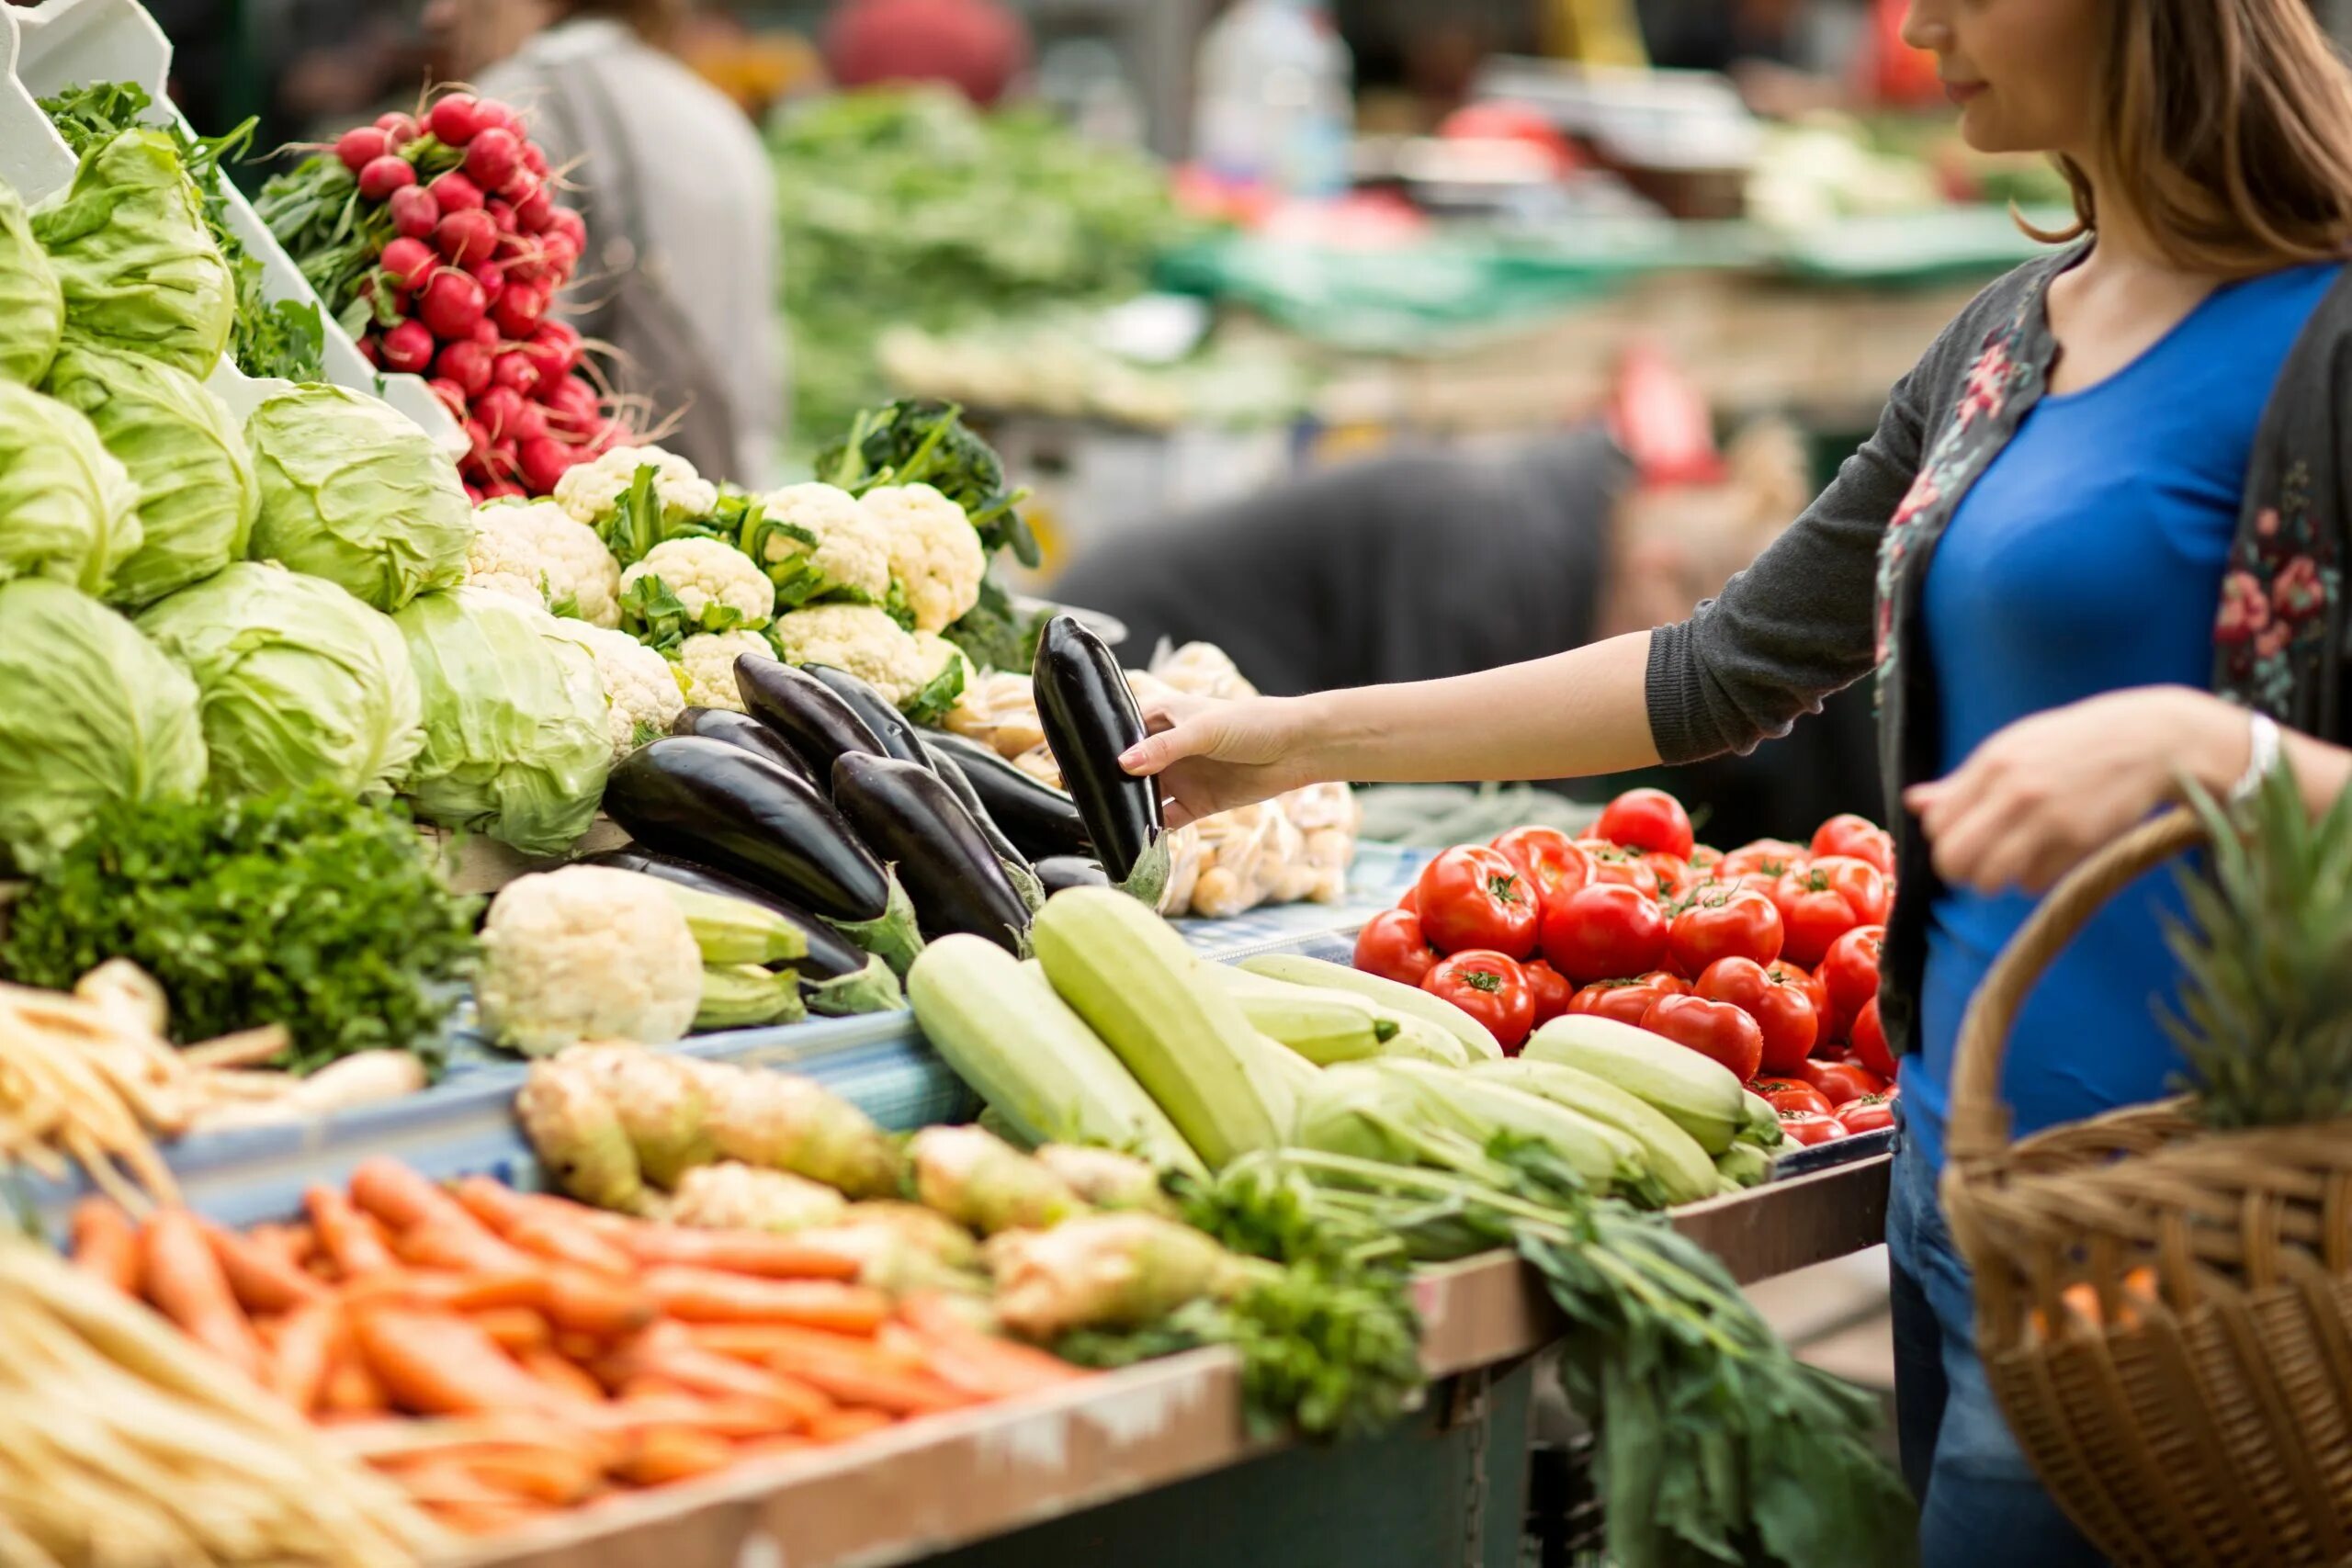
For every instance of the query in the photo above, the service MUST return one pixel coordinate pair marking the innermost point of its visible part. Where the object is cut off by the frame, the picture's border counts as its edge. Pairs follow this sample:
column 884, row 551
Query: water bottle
column 1276, row 107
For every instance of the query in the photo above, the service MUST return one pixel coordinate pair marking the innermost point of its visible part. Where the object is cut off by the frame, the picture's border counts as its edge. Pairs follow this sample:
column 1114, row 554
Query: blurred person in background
column 681, row 271
column 978, row 47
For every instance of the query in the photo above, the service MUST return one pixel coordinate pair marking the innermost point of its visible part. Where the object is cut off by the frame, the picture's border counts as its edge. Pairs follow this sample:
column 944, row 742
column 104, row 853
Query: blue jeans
column 1980, row 1503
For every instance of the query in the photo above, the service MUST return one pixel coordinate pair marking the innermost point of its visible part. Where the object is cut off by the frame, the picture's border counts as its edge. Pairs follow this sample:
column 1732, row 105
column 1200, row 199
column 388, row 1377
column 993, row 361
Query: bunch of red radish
column 461, row 292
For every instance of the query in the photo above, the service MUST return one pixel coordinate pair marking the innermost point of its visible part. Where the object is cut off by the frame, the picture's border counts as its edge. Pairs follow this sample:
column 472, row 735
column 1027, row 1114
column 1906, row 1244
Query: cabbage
column 358, row 494
column 139, row 269
column 89, row 713
column 67, row 507
column 515, row 734
column 298, row 681
column 184, row 452
column 32, row 307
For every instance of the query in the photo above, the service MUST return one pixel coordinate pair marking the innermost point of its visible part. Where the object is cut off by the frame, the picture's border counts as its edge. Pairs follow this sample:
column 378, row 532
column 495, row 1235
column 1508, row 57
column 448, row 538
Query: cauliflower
column 921, row 674
column 540, row 552
column 591, row 493
column 705, row 667
column 686, row 586
column 935, row 556
column 586, row 953
column 817, row 542
column 641, row 695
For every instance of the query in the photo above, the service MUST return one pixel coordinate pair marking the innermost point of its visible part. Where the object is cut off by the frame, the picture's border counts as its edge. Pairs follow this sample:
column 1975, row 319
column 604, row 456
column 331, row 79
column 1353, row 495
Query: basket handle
column 1980, row 1123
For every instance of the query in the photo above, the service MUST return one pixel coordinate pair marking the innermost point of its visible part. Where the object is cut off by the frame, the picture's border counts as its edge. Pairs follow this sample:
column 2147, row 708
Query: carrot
column 106, row 1244
column 352, row 1391
column 538, row 1471
column 669, row 1454
column 436, row 1363
column 347, row 1236
column 769, row 1448
column 611, row 1226
column 665, row 1352
column 739, row 1252
column 979, row 1364
column 706, row 1295
column 460, row 1244
column 539, row 1230
column 757, row 1342
column 525, row 1287
column 279, row 1242
column 735, row 1419
column 301, row 1359
column 840, row 1426
column 185, row 1281
column 263, row 1282
column 583, row 1348
column 397, row 1195
column 564, row 1377
column 477, row 1521
column 873, row 1388
column 589, row 1303
column 513, row 1329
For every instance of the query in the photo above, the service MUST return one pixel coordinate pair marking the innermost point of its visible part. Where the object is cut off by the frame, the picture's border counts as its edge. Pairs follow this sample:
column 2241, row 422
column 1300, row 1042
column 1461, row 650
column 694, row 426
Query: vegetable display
column 918, row 825
column 70, row 505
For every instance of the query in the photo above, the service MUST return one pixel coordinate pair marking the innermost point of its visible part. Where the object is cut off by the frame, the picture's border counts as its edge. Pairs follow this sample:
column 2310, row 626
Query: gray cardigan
column 1837, row 596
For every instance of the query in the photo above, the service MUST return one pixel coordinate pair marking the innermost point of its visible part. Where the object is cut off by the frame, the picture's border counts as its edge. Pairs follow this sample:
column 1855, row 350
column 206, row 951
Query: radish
column 455, row 192
column 548, row 355
column 466, row 366
column 414, row 212
column 562, row 256
column 530, row 423
column 476, row 442
column 407, row 348
column 492, row 158
column 409, row 263
column 383, row 175
column 517, row 311
column 504, row 489
column 534, row 159
column 497, row 410
column 516, row 372
column 399, row 128
column 452, row 396
column 492, row 278
column 502, row 464
column 502, row 212
column 568, row 222
column 456, row 118
column 485, row 335
column 360, row 146
column 572, row 405
column 473, row 493
column 496, row 114
column 544, row 461
column 522, row 185
column 450, row 303
column 535, row 211
column 368, row 352
column 465, row 237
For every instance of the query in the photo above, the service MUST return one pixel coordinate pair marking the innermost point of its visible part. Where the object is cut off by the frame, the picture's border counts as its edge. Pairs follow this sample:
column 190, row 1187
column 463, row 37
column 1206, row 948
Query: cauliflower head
column 921, row 674
column 936, row 561
column 817, row 542
column 705, row 667
column 686, row 586
column 592, row 491
column 586, row 952
column 641, row 694
column 537, row 552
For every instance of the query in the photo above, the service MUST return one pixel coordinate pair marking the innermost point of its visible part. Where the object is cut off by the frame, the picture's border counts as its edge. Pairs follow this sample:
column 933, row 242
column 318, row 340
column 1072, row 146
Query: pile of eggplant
column 823, row 802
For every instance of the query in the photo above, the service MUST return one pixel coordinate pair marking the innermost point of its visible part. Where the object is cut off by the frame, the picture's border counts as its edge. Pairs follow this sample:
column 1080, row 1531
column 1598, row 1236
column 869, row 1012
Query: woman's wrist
column 2212, row 745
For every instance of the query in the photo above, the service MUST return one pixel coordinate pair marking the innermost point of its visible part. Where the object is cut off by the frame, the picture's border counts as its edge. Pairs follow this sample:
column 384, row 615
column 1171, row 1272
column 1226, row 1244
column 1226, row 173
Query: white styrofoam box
column 58, row 44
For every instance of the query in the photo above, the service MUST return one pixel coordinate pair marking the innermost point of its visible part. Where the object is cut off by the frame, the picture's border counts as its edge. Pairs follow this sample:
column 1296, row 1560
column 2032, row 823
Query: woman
column 2093, row 546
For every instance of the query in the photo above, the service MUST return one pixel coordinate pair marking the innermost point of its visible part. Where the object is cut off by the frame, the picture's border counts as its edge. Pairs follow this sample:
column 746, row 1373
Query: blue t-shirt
column 2089, row 558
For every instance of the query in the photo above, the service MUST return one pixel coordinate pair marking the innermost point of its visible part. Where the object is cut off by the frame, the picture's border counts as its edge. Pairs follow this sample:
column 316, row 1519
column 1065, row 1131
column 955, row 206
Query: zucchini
column 1702, row 1096
column 1299, row 971
column 1322, row 1026
column 1744, row 1164
column 736, row 930
column 1130, row 976
column 744, row 996
column 1672, row 1155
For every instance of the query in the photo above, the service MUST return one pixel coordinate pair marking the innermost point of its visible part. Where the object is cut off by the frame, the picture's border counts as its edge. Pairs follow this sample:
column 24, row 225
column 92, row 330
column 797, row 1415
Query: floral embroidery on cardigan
column 2273, row 621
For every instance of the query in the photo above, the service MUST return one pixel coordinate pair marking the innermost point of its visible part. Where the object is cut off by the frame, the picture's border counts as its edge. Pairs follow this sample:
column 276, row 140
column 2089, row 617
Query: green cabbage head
column 139, row 269
column 90, row 713
column 297, row 681
column 516, row 740
column 68, row 509
column 186, row 454
column 358, row 494
column 32, row 307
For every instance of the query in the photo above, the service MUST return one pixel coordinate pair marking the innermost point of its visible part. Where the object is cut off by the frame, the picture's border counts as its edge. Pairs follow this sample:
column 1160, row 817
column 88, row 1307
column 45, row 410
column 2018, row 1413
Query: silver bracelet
column 2264, row 745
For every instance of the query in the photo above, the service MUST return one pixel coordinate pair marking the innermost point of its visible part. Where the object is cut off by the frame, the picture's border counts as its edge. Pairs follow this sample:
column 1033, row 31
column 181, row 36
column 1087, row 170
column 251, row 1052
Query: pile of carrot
column 557, row 1354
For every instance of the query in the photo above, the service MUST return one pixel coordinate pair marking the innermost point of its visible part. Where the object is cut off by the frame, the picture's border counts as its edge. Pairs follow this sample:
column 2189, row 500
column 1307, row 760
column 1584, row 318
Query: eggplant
column 875, row 710
column 1034, row 815
column 715, row 804
column 914, row 820
column 1016, row 864
column 1090, row 721
column 746, row 733
column 797, row 705
column 1062, row 872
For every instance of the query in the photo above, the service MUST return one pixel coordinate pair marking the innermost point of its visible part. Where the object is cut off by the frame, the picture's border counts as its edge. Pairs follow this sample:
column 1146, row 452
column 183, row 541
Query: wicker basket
column 2202, row 1412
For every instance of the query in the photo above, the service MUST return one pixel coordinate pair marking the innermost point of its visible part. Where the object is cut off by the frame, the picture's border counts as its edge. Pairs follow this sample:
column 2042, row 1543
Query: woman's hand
column 1219, row 756
column 2043, row 795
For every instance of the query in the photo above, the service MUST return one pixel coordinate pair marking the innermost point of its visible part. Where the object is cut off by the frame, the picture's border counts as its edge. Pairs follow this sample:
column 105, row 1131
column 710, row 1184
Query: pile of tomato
column 1765, row 959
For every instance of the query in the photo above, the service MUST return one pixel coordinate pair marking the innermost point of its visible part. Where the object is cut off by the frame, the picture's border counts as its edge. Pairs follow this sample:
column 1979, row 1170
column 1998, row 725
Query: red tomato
column 1789, row 974
column 1868, row 1038
column 1849, row 971
column 1602, row 931
column 1627, row 1001
column 1771, row 856
column 1723, row 923
column 1547, row 858
column 1790, row 1094
column 1674, row 876
column 1810, row 1127
column 1412, row 902
column 1868, row 1114
column 1668, row 980
column 1472, row 898
column 1841, row 1081
column 1491, row 987
column 1705, row 857
column 1858, row 837
column 1783, row 1012
column 1626, row 867
column 1550, row 990
column 1391, row 945
column 1715, row 1029
column 1826, row 900
column 1646, row 820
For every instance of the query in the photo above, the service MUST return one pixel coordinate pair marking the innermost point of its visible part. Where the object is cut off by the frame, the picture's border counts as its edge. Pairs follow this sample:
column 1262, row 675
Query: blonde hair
column 2230, row 122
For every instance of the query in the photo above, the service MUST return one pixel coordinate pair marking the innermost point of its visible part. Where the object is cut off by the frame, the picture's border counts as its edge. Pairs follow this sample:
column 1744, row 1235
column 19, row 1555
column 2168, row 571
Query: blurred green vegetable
column 139, row 270
column 298, row 681
column 32, row 307
column 515, row 743
column 68, row 509
column 90, row 714
column 185, row 452
column 356, row 493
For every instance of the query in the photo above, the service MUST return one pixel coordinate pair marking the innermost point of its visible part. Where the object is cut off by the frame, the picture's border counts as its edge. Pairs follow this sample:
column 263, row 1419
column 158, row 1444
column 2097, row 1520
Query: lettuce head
column 32, row 306
column 68, row 509
column 139, row 270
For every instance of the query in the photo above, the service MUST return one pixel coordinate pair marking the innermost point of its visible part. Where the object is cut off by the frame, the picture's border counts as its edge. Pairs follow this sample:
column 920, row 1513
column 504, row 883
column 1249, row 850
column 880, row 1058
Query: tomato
column 1474, row 899
column 1868, row 1038
column 1412, row 902
column 1771, row 857
column 1715, row 1029
column 1668, row 980
column 1547, row 858
column 1625, row 867
column 1724, row 922
column 1646, row 820
column 1674, row 876
column 1849, row 971
column 1789, row 974
column 1705, row 857
column 1807, row 1128
column 1391, row 945
column 1790, row 1094
column 1550, row 988
column 1826, row 900
column 1626, row 1001
column 1491, row 987
column 1841, row 1081
column 1858, row 837
column 1868, row 1114
column 1783, row 1012
column 1603, row 931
